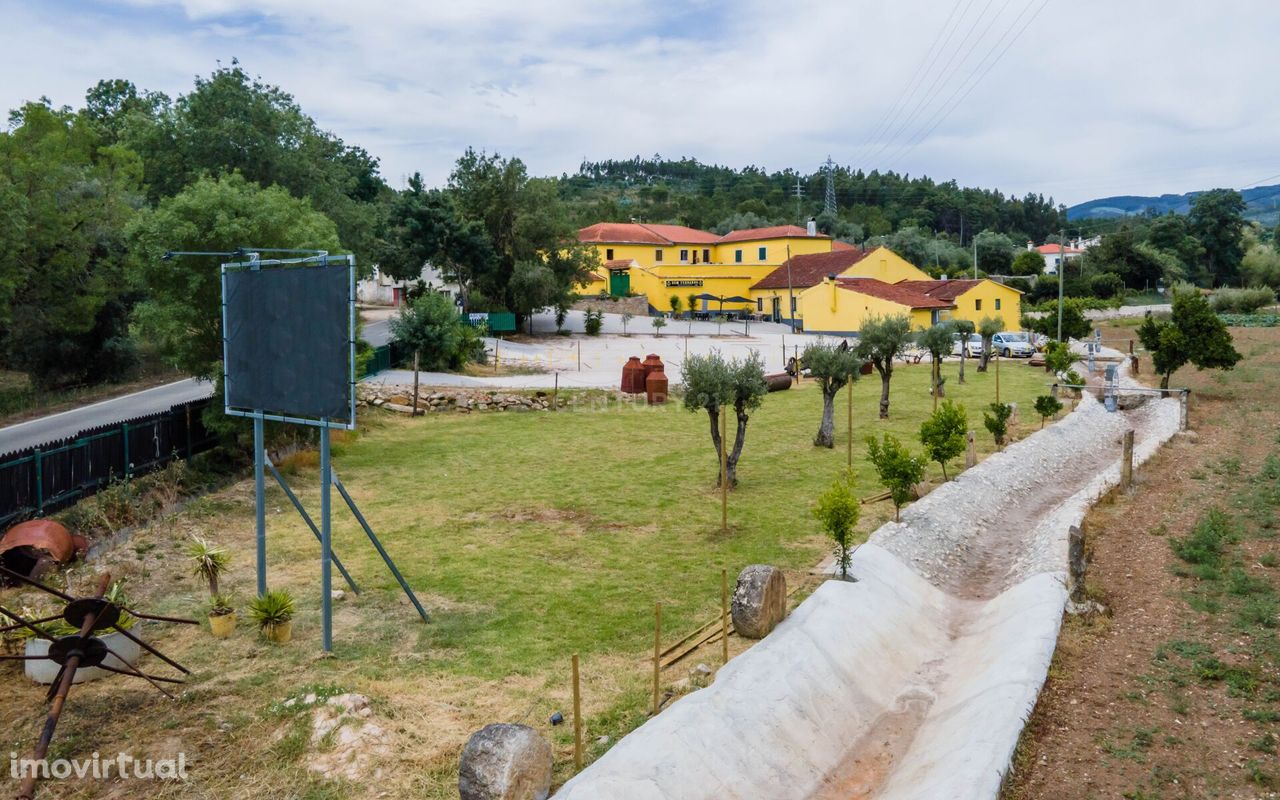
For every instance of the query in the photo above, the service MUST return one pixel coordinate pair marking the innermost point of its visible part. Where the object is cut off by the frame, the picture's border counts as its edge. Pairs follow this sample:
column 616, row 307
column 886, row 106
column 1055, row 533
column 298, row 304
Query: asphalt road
column 376, row 333
column 117, row 409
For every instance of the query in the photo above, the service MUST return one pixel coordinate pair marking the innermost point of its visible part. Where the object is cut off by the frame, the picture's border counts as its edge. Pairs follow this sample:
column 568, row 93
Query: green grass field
column 530, row 536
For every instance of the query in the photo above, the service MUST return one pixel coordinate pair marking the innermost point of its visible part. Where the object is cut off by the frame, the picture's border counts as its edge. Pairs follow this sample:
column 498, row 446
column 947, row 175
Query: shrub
column 431, row 327
column 1106, row 285
column 1242, row 301
column 943, row 434
column 837, row 511
column 594, row 322
column 997, row 421
column 208, row 562
column 275, row 607
column 1047, row 406
column 899, row 471
column 658, row 324
column 1207, row 542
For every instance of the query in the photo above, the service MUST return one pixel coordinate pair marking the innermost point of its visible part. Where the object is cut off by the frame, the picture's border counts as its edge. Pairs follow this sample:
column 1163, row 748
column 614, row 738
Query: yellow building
column 789, row 280
column 839, row 306
column 976, row 299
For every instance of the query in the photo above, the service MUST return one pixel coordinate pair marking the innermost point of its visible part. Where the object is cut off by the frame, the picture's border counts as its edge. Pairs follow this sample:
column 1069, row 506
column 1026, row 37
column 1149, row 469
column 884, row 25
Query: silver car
column 1010, row 344
column 972, row 348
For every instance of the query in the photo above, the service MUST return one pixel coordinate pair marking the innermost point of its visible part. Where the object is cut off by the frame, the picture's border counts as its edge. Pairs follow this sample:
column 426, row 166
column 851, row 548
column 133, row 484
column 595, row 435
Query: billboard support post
column 259, row 493
column 326, row 540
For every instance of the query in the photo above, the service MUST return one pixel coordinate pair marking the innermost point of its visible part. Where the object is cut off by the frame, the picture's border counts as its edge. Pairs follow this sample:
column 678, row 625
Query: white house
column 382, row 290
column 1055, row 254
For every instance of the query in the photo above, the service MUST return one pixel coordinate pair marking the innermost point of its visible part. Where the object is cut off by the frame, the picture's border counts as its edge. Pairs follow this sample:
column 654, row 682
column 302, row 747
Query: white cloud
column 1096, row 97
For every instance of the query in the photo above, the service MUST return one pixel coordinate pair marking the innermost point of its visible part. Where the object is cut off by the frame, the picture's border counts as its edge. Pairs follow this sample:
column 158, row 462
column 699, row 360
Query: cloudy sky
column 1074, row 98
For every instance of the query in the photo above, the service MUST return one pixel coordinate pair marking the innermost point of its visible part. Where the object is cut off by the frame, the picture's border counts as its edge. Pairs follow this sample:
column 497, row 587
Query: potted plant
column 208, row 562
column 273, row 612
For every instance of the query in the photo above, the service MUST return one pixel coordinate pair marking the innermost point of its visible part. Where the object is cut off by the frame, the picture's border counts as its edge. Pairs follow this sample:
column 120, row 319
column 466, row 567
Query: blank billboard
column 288, row 341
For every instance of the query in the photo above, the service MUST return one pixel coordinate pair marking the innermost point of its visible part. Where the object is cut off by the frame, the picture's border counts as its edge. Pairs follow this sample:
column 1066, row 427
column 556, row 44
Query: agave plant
column 272, row 608
column 208, row 562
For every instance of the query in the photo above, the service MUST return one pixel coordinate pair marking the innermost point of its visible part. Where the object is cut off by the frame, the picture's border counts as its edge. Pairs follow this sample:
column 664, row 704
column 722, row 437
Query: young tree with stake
column 883, row 339
column 837, row 511
column 1047, row 406
column 963, row 330
column 987, row 329
column 658, row 324
column 834, row 366
column 714, row 384
column 996, row 420
column 943, row 434
column 938, row 341
column 899, row 471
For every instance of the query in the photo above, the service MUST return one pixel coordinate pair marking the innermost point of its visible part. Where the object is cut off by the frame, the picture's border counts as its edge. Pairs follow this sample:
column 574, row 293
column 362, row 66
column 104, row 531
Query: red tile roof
column 809, row 270
column 643, row 233
column 619, row 263
column 1048, row 249
column 776, row 232
column 942, row 290
column 893, row 292
column 836, row 244
column 594, row 276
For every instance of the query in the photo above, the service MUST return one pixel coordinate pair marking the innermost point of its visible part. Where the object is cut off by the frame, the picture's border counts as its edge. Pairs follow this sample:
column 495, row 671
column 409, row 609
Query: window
column 759, row 304
column 608, row 254
column 706, row 256
column 657, row 255
column 997, row 304
column 977, row 305
column 762, row 254
column 737, row 256
column 793, row 306
column 684, row 256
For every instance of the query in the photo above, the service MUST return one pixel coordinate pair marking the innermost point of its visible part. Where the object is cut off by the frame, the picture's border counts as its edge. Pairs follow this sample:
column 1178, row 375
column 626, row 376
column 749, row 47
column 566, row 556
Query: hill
column 1263, row 205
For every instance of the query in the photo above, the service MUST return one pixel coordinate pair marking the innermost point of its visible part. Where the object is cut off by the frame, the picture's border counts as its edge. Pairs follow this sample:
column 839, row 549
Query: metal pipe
column 351, row 504
column 259, row 493
column 326, row 541
column 297, row 504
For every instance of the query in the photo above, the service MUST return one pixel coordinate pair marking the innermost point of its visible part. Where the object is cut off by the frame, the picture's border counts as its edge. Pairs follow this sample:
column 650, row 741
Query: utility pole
column 799, row 195
column 1062, row 264
column 829, row 205
column 975, row 257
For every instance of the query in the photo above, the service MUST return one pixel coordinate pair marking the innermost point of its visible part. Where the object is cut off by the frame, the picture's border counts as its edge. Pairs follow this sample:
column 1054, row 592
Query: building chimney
column 1031, row 245
column 812, row 227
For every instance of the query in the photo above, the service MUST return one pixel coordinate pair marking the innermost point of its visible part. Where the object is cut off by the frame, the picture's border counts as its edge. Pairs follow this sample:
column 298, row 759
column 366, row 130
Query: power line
column 956, row 104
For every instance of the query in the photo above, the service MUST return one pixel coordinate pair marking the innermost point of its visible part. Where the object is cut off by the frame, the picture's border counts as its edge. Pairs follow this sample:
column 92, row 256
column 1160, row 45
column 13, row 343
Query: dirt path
column 995, row 551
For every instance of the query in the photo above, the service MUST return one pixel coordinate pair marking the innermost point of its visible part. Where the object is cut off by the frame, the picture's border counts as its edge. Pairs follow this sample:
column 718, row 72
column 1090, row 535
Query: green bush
column 899, row 471
column 1047, row 406
column 943, row 434
column 1106, row 285
column 837, row 511
column 275, row 607
column 594, row 322
column 997, row 421
column 1241, row 301
column 1207, row 542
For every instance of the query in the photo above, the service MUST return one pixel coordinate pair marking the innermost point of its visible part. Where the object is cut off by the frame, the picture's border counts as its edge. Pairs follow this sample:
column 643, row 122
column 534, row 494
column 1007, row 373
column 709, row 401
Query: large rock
column 759, row 601
column 505, row 762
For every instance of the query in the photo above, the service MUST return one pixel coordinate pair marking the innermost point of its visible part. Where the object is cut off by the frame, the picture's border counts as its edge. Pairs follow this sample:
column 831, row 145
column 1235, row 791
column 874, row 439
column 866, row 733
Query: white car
column 972, row 348
column 1010, row 344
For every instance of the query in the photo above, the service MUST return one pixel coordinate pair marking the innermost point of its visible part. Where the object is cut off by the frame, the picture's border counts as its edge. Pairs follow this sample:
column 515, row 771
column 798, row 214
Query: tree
column 938, row 339
column 995, row 253
column 964, row 328
column 1217, row 221
column 693, row 305
column 1075, row 325
column 1193, row 334
column 1047, row 406
column 675, row 305
column 1058, row 357
column 1261, row 266
column 899, row 471
column 834, row 366
column 837, row 511
column 881, row 340
column 987, row 329
column 996, row 421
column 430, row 326
column 182, row 313
column 714, row 384
column 627, row 316
column 943, row 434
column 659, row 322
column 65, row 199
column 1028, row 262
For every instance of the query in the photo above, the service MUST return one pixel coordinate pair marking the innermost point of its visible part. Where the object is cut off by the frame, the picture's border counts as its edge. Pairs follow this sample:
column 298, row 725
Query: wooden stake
column 577, row 718
column 555, row 394
column 997, row 376
column 850, row 422
column 724, row 615
column 415, row 383
column 579, row 355
column 496, row 344
column 724, row 470
column 657, row 653
column 1126, row 461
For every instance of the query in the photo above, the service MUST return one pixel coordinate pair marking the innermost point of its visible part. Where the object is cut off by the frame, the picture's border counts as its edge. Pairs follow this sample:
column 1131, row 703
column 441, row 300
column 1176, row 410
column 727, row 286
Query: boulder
column 505, row 762
column 759, row 601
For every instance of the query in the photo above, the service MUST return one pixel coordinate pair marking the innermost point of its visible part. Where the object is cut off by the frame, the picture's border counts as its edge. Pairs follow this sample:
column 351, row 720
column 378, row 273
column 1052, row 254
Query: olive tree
column 714, row 384
column 938, row 340
column 987, row 329
column 881, row 340
column 833, row 366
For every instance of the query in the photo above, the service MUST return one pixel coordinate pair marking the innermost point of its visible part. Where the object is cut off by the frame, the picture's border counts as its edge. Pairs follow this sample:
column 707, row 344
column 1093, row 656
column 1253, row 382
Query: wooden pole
column 415, row 383
column 1126, row 461
column 724, row 615
column 657, row 653
column 577, row 717
column 997, row 354
column 579, row 355
column 496, row 344
column 850, row 422
column 724, row 470
column 555, row 394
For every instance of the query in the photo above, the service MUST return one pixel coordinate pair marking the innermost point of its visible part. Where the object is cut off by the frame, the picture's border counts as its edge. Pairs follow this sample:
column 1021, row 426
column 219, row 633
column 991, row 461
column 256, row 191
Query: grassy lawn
column 530, row 536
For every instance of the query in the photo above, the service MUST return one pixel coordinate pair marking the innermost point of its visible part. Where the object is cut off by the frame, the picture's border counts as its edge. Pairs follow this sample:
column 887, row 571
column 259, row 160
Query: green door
column 619, row 283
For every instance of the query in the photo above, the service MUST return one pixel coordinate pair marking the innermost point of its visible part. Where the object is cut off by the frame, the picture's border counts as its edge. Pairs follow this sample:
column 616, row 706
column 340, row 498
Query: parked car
column 1010, row 344
column 972, row 348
